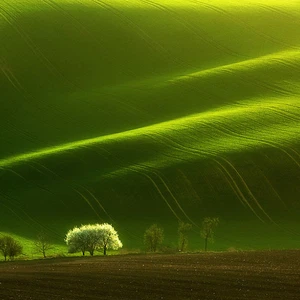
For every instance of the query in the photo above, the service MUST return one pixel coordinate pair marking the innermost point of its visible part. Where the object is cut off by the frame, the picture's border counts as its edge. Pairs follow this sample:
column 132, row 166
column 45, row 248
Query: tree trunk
column 183, row 245
column 104, row 250
column 82, row 253
column 44, row 253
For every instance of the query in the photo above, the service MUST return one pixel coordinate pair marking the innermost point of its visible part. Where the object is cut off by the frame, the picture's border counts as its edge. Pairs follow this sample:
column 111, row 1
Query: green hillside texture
column 135, row 112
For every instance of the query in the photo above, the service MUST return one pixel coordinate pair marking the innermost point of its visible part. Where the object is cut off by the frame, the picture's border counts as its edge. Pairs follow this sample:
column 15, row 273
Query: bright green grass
column 229, row 236
column 57, row 249
column 30, row 251
column 233, row 139
column 237, row 114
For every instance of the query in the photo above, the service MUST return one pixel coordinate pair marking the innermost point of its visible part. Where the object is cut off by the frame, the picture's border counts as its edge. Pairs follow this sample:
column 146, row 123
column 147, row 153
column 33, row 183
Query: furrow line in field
column 174, row 198
column 281, row 12
column 89, row 203
column 153, row 44
column 268, row 143
column 246, row 25
column 158, row 190
column 72, row 185
column 275, row 193
column 28, row 97
column 31, row 184
column 76, row 23
column 290, row 62
column 194, row 30
column 285, row 114
column 80, row 26
column 34, row 48
column 180, row 147
column 99, row 204
column 138, row 167
column 213, row 157
column 21, row 213
column 262, row 61
column 229, row 181
column 248, row 189
column 25, row 133
column 165, row 127
column 144, row 170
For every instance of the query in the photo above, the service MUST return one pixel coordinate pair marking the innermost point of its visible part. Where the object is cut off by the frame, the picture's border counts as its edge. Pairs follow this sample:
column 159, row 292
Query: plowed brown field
column 238, row 275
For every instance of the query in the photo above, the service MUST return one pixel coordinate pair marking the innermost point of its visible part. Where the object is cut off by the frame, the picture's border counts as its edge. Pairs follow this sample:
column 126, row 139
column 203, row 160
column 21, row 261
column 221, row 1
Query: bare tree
column 153, row 237
column 207, row 230
column 42, row 244
column 183, row 231
column 9, row 247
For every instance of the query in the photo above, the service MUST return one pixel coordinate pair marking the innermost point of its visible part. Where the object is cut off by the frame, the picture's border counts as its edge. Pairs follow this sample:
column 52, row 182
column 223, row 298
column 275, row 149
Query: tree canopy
column 207, row 230
column 9, row 247
column 153, row 237
column 92, row 238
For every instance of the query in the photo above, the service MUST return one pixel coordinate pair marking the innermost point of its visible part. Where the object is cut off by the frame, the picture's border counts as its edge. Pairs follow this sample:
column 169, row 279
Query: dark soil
column 245, row 275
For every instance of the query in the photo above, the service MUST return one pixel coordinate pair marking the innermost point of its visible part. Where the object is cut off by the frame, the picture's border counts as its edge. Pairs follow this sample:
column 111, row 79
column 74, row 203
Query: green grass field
column 141, row 111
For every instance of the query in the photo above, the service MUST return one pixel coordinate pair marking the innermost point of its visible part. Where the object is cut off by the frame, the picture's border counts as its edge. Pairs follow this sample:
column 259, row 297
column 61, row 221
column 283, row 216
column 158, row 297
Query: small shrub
column 125, row 251
column 60, row 255
column 232, row 249
column 169, row 250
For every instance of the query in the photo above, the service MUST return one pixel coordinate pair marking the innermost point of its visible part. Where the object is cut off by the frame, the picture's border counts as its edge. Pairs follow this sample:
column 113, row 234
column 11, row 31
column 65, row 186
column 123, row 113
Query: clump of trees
column 101, row 237
column 91, row 238
column 153, row 237
column 207, row 230
column 9, row 247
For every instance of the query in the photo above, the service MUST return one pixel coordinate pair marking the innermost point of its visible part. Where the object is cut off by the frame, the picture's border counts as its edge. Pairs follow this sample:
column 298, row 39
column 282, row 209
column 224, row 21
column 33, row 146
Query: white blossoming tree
column 92, row 238
column 109, row 238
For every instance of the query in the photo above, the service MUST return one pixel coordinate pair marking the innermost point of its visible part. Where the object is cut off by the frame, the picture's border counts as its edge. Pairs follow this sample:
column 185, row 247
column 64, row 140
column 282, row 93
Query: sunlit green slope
column 135, row 112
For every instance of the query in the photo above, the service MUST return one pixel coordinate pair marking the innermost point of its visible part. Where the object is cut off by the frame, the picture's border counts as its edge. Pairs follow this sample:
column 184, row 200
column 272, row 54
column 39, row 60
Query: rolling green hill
column 140, row 111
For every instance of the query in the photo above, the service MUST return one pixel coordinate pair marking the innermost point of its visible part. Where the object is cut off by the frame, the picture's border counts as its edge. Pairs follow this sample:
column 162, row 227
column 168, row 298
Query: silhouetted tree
column 207, row 230
column 183, row 231
column 42, row 244
column 153, row 237
column 9, row 247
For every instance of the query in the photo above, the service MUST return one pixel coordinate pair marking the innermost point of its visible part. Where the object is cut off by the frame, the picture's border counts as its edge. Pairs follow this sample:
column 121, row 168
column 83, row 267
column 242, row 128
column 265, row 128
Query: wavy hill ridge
column 137, row 111
column 195, row 86
column 226, row 131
